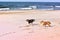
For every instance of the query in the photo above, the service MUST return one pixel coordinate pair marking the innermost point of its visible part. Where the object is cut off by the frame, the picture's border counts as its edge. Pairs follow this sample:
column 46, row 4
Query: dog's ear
column 49, row 22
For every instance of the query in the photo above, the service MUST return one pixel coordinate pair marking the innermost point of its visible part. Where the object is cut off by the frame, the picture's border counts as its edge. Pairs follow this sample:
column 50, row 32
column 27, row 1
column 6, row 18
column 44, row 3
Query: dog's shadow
column 28, row 25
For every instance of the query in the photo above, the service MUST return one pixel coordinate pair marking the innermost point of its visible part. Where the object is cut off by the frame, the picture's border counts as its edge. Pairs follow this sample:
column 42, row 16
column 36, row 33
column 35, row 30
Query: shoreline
column 28, row 11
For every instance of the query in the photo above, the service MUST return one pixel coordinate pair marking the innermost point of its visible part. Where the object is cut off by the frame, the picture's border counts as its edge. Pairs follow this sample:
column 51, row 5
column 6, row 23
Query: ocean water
column 29, row 5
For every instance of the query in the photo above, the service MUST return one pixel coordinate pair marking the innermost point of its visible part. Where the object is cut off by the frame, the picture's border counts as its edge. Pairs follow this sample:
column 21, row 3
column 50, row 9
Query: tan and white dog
column 46, row 23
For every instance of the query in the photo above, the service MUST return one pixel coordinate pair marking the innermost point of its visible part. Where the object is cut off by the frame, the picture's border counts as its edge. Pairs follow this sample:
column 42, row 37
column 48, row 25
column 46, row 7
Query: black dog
column 30, row 21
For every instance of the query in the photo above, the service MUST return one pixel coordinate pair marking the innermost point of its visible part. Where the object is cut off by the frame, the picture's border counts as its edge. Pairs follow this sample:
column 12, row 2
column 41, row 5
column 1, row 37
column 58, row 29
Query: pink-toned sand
column 13, row 25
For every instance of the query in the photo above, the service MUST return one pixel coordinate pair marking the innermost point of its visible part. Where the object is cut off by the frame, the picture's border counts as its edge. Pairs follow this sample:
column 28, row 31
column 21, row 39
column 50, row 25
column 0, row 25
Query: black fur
column 30, row 20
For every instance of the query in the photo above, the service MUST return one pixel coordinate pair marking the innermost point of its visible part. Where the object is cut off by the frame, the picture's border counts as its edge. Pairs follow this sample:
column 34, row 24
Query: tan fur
column 46, row 23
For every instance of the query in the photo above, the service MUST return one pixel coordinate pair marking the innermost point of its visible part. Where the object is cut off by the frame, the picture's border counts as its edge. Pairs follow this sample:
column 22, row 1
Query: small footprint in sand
column 4, row 34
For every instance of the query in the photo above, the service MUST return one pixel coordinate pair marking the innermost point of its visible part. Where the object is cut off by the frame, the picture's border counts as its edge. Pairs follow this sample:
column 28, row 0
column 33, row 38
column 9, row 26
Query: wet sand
column 13, row 25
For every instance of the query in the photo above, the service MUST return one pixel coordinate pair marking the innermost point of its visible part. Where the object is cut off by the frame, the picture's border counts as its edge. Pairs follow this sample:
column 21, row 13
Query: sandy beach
column 13, row 25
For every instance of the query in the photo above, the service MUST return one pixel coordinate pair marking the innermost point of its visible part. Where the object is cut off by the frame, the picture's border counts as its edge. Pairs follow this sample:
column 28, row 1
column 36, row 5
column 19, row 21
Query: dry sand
column 13, row 25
